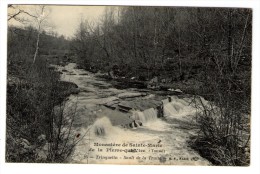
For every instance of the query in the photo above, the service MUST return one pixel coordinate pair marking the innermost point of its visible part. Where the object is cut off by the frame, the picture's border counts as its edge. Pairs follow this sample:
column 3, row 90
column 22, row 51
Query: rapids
column 105, row 140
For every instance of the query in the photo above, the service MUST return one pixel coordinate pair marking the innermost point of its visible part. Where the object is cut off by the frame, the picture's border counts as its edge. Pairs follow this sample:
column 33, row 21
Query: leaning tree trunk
column 37, row 45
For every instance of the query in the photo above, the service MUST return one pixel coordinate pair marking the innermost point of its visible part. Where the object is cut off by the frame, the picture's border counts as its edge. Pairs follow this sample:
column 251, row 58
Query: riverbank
column 33, row 90
column 161, row 87
column 96, row 110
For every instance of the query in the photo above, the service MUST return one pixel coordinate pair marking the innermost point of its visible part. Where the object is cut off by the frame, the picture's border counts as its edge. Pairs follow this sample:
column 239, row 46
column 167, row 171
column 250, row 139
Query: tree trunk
column 230, row 41
column 37, row 45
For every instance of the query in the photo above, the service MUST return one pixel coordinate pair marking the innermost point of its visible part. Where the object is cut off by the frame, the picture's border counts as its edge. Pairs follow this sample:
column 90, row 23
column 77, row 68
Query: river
column 109, row 135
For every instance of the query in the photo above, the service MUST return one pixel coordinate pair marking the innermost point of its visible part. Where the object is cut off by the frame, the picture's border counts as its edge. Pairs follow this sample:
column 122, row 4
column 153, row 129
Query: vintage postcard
column 133, row 85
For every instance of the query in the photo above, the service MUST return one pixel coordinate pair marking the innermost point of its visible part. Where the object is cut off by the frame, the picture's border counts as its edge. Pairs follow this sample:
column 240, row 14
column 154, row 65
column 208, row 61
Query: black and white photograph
column 128, row 85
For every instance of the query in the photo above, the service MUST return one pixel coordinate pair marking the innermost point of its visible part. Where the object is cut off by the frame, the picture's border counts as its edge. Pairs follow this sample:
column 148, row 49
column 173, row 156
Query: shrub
column 224, row 123
column 33, row 92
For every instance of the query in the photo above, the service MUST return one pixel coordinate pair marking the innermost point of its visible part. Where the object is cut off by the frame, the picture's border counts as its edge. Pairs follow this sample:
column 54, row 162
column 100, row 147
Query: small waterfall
column 178, row 108
column 173, row 107
column 150, row 114
column 147, row 115
column 138, row 115
column 102, row 126
column 169, row 109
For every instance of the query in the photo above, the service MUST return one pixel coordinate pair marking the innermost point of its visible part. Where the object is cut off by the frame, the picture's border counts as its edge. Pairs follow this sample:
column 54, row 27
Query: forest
column 201, row 51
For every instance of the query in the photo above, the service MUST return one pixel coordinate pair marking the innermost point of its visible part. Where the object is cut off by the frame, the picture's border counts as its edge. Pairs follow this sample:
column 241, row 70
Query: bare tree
column 17, row 14
column 37, row 16
column 40, row 19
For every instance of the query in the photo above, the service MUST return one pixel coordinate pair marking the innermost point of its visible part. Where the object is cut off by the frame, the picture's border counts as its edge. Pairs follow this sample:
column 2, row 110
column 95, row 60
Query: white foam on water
column 178, row 108
column 138, row 115
column 146, row 116
column 154, row 131
column 158, row 132
column 103, row 132
column 157, row 125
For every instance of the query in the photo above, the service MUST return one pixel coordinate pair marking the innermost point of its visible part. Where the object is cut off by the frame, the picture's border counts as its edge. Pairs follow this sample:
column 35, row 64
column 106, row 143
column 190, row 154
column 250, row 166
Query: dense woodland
column 165, row 41
column 202, row 51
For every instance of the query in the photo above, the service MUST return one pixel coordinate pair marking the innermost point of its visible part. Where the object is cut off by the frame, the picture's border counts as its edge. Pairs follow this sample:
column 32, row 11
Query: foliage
column 36, row 131
column 168, row 42
column 211, row 46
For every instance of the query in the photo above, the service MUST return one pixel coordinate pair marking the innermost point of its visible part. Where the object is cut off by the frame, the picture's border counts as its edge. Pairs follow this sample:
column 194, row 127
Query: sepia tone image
column 128, row 85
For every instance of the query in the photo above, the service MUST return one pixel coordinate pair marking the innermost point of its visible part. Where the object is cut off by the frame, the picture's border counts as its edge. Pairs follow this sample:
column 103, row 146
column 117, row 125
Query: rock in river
column 130, row 95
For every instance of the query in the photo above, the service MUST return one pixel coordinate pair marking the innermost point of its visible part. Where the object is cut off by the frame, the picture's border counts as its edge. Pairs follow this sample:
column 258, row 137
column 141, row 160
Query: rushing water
column 151, row 140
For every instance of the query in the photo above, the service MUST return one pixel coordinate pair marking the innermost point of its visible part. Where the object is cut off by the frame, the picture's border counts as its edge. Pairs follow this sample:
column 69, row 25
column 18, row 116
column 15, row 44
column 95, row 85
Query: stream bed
column 121, row 126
